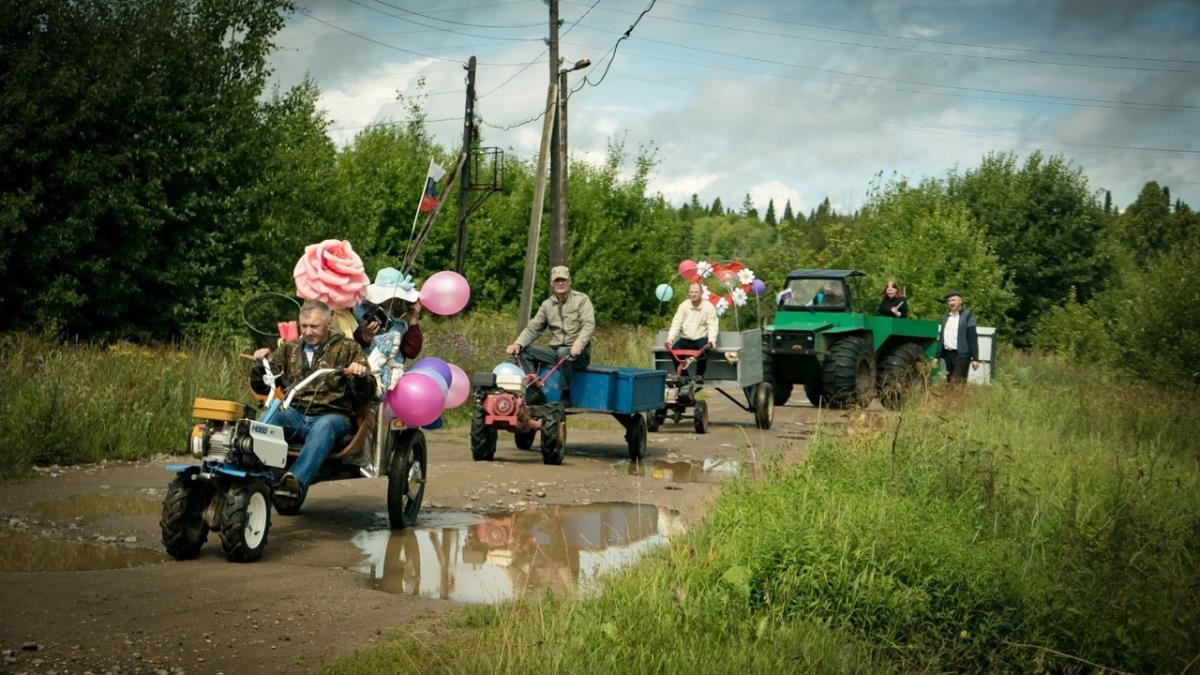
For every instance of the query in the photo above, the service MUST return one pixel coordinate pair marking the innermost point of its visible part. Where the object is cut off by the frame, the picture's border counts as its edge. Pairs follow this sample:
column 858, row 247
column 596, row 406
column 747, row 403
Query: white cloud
column 763, row 193
column 681, row 188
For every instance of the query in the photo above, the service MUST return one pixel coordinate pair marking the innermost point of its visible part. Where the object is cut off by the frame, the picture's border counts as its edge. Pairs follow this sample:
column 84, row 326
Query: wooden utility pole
column 558, row 206
column 535, row 217
column 464, row 185
column 559, row 251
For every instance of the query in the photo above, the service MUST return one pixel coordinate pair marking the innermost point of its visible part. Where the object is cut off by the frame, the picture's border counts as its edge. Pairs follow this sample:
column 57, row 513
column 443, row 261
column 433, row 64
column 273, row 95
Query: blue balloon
column 508, row 368
column 664, row 292
column 433, row 375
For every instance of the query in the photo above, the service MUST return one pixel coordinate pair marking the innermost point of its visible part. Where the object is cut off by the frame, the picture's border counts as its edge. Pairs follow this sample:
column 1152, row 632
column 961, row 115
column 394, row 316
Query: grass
column 1048, row 523
column 68, row 403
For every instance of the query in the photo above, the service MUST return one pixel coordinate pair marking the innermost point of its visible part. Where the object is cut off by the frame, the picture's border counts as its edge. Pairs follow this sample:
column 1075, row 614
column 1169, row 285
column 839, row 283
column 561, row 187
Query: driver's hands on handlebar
column 667, row 344
column 355, row 370
column 262, row 353
column 576, row 350
column 513, row 349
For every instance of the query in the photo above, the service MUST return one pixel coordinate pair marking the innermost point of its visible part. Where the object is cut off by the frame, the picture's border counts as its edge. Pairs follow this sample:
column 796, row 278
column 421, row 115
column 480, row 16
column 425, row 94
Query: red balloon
column 687, row 270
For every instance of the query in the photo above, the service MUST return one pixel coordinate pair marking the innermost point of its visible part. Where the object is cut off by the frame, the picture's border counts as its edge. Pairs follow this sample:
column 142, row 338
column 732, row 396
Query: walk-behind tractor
column 242, row 459
column 735, row 364
column 529, row 406
column 842, row 357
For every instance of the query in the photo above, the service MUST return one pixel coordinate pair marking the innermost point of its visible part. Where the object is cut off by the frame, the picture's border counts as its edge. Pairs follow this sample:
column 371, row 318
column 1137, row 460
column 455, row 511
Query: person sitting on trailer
column 694, row 327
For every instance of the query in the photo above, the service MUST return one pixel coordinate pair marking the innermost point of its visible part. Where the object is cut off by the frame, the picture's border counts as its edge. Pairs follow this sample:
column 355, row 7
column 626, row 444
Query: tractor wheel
column 848, row 377
column 700, row 417
column 183, row 528
column 407, row 472
column 813, row 393
column 525, row 439
column 764, row 405
column 782, row 393
column 246, row 520
column 635, row 436
column 483, row 438
column 554, row 435
column 654, row 420
column 900, row 375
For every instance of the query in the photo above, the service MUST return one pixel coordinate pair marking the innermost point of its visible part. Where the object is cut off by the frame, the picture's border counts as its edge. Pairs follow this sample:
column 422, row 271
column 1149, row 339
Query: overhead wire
column 613, row 51
column 536, row 59
column 459, row 23
column 439, row 28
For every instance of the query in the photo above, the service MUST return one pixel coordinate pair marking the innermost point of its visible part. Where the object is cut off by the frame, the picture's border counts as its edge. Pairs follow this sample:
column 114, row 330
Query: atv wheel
column 700, row 417
column 848, row 377
column 782, row 393
column 246, row 521
column 900, row 375
column 407, row 473
column 813, row 393
column 183, row 528
column 524, row 439
column 554, row 435
column 635, row 436
column 764, row 405
column 483, row 438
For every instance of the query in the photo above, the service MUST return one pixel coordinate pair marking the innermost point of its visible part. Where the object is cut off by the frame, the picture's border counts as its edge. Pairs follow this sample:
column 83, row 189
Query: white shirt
column 950, row 333
column 694, row 323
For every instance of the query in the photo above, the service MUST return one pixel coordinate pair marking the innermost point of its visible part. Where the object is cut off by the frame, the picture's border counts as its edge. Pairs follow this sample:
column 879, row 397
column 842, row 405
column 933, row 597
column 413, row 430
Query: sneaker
column 289, row 485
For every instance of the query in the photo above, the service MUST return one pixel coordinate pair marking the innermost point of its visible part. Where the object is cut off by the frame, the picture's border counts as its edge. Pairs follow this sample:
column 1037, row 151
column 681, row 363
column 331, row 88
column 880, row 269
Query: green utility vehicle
column 842, row 357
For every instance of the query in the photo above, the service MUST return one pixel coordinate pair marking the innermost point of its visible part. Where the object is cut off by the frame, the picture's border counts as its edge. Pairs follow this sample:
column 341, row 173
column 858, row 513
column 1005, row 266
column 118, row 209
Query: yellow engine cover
column 213, row 409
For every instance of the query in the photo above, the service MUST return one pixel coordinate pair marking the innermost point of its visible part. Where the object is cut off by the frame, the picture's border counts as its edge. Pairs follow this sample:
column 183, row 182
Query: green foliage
column 1074, row 331
column 1043, row 222
column 929, row 244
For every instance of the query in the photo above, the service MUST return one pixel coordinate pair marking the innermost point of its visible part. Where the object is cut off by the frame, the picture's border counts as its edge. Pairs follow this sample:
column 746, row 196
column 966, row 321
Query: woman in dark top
column 893, row 303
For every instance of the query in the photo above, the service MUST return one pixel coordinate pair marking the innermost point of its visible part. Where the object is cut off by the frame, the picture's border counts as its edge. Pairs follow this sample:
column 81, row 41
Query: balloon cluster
column 427, row 389
column 738, row 281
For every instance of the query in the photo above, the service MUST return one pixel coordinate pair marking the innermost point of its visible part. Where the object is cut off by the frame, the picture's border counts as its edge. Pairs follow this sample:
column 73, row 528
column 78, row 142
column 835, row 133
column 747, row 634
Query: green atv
column 842, row 357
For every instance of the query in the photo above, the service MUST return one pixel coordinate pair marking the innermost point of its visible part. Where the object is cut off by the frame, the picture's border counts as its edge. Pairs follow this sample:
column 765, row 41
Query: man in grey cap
column 568, row 318
column 958, row 339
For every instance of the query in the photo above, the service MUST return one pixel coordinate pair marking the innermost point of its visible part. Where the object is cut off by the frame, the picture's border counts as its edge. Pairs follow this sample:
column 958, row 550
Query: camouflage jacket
column 338, row 394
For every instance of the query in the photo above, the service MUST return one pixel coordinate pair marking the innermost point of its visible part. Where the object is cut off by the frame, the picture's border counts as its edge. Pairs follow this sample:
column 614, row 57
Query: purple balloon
column 437, row 377
column 757, row 287
column 417, row 399
column 434, row 363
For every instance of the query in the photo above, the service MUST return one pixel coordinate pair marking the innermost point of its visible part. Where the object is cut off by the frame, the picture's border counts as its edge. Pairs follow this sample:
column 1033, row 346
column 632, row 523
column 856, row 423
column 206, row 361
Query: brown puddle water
column 711, row 471
column 22, row 552
column 492, row 557
column 96, row 506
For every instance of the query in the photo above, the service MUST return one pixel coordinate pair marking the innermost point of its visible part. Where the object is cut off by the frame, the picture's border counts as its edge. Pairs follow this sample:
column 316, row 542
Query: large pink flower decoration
column 331, row 272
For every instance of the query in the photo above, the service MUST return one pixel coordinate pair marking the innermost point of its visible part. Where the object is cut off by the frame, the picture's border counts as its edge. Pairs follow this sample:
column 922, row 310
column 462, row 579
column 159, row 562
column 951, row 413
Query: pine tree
column 716, row 209
column 1108, row 201
column 748, row 209
column 770, row 217
column 788, row 216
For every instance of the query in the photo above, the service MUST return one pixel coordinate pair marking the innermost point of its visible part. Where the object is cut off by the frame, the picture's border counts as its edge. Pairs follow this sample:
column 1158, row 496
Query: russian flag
column 429, row 197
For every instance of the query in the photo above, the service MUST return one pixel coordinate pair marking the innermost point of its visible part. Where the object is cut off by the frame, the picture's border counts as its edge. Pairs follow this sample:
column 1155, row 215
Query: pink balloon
column 445, row 293
column 435, row 375
column 687, row 270
column 460, row 387
column 417, row 399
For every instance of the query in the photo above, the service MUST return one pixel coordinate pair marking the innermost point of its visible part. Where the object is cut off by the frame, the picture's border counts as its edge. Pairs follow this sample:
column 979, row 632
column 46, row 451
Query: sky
column 785, row 100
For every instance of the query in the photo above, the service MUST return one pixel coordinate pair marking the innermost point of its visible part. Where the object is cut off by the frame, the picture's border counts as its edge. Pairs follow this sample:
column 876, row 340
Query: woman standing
column 893, row 303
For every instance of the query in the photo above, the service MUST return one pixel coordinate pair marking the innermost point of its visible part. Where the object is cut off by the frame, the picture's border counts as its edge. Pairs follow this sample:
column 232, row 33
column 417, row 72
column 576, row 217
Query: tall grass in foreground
column 66, row 403
column 1050, row 522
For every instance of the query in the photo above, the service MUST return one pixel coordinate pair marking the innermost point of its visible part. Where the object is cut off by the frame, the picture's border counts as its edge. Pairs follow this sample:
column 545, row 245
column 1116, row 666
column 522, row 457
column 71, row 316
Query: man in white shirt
column 958, row 339
column 694, row 326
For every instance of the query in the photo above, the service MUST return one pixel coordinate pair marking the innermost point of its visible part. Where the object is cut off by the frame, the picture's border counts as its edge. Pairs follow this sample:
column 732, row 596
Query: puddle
column 488, row 558
column 21, row 552
column 96, row 506
column 710, row 471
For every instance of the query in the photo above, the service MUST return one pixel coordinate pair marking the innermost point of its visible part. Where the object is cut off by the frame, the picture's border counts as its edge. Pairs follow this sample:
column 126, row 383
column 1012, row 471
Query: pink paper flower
column 331, row 272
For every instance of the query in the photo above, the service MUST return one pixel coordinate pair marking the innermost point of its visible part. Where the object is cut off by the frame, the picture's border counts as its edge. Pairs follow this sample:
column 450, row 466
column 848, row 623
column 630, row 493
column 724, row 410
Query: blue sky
column 785, row 100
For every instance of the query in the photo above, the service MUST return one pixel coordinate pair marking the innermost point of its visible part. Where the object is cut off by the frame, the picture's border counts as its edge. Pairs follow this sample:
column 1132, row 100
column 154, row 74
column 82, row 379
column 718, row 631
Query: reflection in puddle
column 95, row 506
column 711, row 471
column 473, row 558
column 21, row 552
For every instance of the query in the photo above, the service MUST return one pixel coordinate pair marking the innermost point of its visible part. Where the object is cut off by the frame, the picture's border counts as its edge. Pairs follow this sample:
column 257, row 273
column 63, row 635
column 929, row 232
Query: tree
column 769, row 218
column 788, row 215
column 716, row 209
column 1043, row 221
column 1148, row 228
column 748, row 209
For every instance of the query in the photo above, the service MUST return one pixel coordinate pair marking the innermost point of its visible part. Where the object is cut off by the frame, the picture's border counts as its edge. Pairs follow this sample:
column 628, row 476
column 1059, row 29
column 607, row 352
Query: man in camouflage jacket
column 324, row 410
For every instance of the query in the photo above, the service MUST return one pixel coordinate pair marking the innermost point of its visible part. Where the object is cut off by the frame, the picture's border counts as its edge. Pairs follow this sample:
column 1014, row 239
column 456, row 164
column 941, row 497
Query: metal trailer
column 736, row 363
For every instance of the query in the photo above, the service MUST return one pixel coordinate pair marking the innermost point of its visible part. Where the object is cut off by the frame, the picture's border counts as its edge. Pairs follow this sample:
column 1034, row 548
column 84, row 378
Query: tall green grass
column 1049, row 522
column 66, row 403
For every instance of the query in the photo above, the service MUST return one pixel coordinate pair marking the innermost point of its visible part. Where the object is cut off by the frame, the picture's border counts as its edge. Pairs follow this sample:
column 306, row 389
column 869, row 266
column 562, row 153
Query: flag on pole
column 429, row 198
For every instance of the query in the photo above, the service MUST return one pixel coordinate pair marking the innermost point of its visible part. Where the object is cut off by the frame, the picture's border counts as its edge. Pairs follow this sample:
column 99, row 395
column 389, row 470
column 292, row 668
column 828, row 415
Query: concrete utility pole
column 535, row 217
column 465, row 185
column 558, row 205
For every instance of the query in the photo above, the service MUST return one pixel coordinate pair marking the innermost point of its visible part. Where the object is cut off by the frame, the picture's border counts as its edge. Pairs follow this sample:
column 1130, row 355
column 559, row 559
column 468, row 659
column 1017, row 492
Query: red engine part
column 505, row 410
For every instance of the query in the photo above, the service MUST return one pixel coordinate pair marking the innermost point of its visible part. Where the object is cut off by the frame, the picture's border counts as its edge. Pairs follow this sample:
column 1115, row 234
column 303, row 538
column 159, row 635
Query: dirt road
column 334, row 579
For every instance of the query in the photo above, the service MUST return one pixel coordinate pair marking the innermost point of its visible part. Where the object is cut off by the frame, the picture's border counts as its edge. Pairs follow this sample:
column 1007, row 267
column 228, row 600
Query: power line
column 537, row 59
column 393, row 123
column 438, row 28
column 847, row 43
column 1026, row 50
column 373, row 41
column 459, row 23
column 613, row 51
column 1074, row 101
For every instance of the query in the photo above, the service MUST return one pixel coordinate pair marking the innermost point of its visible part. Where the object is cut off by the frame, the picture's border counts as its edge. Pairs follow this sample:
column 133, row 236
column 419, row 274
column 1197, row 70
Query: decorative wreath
column 737, row 281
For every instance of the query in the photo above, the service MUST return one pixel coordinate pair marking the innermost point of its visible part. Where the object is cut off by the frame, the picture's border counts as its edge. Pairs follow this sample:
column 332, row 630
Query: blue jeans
column 318, row 434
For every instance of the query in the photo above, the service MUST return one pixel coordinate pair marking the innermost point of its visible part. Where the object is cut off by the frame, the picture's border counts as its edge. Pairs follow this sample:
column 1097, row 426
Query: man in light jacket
column 694, row 326
column 958, row 340
column 568, row 318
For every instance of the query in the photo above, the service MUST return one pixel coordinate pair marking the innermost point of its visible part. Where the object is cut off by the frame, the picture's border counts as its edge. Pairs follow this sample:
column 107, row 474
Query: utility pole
column 535, row 218
column 558, row 206
column 464, row 185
